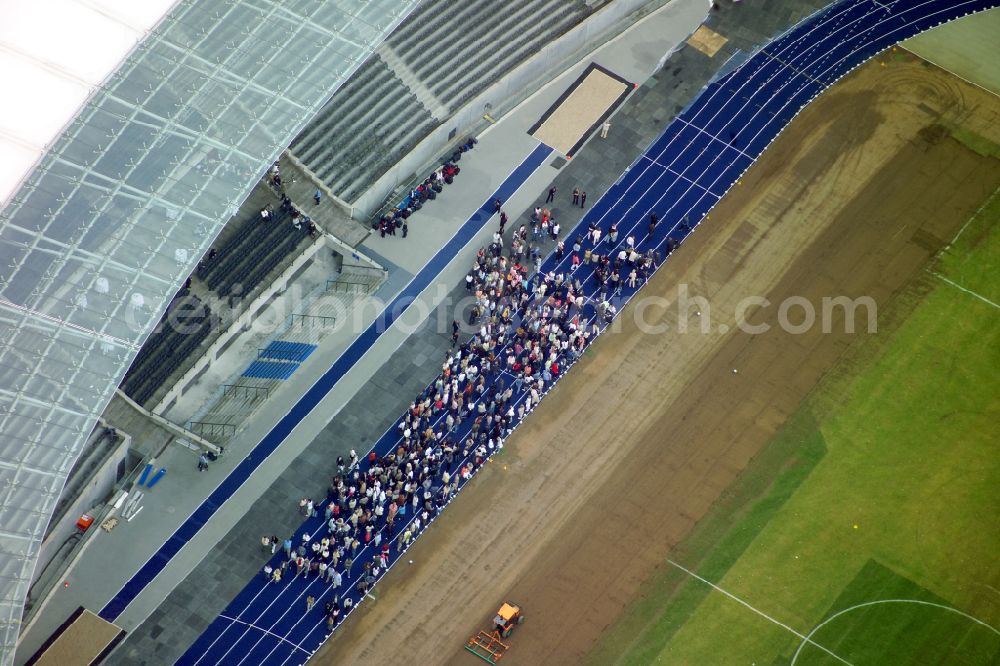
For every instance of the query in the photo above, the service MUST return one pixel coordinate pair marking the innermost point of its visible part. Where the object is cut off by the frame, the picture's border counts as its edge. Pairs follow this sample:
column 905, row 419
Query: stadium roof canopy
column 130, row 134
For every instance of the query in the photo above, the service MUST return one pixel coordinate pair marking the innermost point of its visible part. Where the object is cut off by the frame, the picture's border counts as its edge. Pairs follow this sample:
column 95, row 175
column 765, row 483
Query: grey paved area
column 192, row 605
column 968, row 47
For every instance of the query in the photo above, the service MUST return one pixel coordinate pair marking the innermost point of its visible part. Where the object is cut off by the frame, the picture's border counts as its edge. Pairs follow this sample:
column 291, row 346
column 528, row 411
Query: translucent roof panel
column 121, row 206
column 60, row 61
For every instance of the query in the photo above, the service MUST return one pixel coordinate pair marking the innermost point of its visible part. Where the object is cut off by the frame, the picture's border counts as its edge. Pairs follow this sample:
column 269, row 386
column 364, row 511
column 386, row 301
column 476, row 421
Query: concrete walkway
column 216, row 563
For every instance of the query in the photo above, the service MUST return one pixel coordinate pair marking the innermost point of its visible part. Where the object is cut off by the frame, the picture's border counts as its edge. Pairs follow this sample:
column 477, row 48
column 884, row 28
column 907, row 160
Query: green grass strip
column 740, row 514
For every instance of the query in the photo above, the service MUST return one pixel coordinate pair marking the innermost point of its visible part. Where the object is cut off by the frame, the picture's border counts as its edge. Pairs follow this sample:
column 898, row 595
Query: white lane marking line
column 681, row 176
column 805, row 639
column 712, row 136
column 888, row 601
column 968, row 291
column 254, row 626
column 795, row 70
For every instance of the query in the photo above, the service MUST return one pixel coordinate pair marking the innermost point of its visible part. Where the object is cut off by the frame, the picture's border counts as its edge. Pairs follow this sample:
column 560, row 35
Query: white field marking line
column 887, row 601
column 816, row 59
column 824, row 21
column 805, row 51
column 617, row 291
column 450, row 499
column 664, row 194
column 622, row 196
column 711, row 97
column 961, row 288
column 723, row 107
column 706, row 105
column 952, row 72
column 839, row 10
column 906, row 24
column 712, row 136
column 972, row 217
column 671, row 141
column 805, row 639
column 295, row 402
column 232, row 619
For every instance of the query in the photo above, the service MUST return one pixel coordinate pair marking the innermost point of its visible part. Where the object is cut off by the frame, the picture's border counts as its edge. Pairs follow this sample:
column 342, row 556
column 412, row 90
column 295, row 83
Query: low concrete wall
column 100, row 484
column 245, row 319
column 238, row 326
column 552, row 59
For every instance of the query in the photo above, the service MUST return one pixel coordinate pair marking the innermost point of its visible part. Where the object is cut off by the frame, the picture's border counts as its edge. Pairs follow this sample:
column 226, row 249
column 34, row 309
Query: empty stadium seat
column 456, row 50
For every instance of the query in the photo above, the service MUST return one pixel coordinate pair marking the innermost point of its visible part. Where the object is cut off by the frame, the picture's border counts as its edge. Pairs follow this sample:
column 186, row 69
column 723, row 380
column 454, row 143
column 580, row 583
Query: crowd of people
column 397, row 219
column 526, row 328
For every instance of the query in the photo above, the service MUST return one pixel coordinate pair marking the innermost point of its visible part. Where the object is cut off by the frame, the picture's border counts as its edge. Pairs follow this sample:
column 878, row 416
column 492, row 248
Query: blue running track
column 318, row 391
column 681, row 176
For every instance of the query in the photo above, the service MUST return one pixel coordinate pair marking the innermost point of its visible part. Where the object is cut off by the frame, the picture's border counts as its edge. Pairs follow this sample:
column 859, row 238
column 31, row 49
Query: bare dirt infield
column 634, row 446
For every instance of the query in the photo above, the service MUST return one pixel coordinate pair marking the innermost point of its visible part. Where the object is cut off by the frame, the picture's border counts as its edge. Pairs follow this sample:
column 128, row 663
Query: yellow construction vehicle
column 489, row 645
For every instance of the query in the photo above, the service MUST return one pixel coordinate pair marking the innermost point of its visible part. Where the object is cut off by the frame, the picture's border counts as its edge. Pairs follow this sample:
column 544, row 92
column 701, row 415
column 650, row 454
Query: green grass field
column 869, row 527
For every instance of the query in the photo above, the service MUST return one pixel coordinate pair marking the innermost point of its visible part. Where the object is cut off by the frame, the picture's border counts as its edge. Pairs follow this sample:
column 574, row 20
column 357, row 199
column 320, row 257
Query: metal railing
column 301, row 319
column 212, row 431
column 248, row 392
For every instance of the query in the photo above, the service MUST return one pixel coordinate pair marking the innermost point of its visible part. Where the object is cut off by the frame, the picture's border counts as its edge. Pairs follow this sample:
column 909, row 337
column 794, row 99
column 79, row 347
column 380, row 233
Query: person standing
column 605, row 128
column 583, row 199
column 202, row 462
column 497, row 205
column 552, row 195
column 318, row 197
column 310, row 602
column 576, row 196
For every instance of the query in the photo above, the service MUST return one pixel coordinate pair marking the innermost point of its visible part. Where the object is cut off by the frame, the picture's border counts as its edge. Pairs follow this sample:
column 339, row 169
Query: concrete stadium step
column 440, row 57
column 323, row 120
column 349, row 147
column 380, row 153
column 352, row 140
column 339, row 112
column 404, row 143
column 526, row 37
column 434, row 23
column 481, row 39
